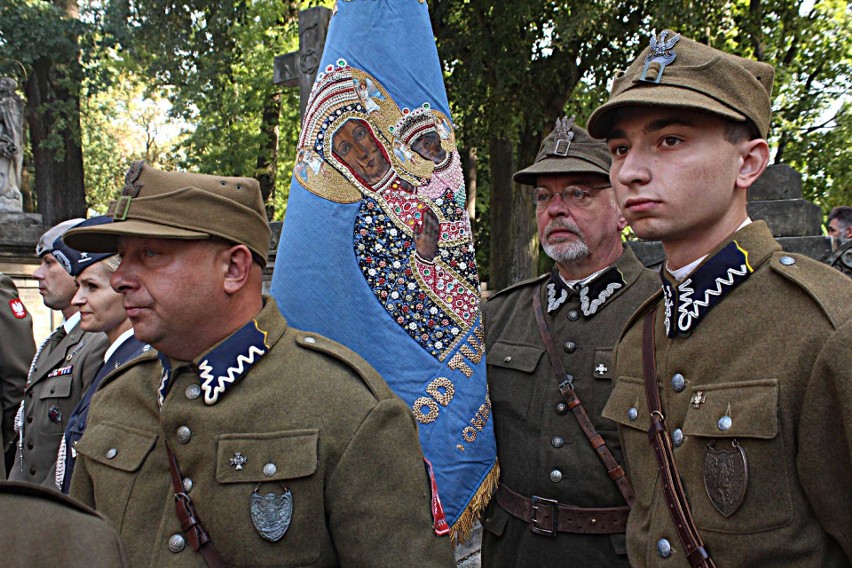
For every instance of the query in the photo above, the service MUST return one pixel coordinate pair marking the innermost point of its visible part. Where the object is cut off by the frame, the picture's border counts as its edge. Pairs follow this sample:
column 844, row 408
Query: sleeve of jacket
column 16, row 353
column 825, row 437
column 92, row 358
column 379, row 502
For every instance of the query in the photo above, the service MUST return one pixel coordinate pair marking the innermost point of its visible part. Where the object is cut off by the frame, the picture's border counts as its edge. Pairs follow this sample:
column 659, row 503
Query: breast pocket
column 601, row 390
column 626, row 407
column 275, row 463
column 510, row 377
column 115, row 453
column 736, row 419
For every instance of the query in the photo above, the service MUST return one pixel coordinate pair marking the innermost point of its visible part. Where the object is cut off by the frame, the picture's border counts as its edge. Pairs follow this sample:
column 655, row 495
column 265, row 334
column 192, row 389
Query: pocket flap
column 57, row 387
column 751, row 406
column 116, row 445
column 270, row 456
column 519, row 356
column 626, row 404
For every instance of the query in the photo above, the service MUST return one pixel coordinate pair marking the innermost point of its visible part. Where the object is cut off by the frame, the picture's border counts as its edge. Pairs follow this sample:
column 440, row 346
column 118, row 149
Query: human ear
column 754, row 156
column 238, row 269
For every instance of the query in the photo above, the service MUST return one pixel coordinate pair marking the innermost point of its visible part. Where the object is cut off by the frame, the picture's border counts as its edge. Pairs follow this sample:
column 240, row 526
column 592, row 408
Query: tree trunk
column 53, row 114
column 267, row 159
column 469, row 164
column 514, row 240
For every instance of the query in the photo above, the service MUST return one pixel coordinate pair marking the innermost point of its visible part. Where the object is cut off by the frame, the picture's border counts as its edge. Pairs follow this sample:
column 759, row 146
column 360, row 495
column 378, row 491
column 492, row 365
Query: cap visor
column 104, row 238
column 557, row 166
column 659, row 96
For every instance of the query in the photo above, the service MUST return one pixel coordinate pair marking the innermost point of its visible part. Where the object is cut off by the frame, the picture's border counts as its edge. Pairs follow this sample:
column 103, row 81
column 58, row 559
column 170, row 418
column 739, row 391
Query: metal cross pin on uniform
column 238, row 461
column 601, row 369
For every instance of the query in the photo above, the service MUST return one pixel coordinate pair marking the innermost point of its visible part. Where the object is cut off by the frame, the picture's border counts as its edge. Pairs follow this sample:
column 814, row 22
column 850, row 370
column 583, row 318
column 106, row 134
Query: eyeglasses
column 572, row 195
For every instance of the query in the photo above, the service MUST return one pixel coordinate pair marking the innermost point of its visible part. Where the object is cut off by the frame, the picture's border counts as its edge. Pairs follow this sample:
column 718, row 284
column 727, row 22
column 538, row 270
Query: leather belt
column 547, row 517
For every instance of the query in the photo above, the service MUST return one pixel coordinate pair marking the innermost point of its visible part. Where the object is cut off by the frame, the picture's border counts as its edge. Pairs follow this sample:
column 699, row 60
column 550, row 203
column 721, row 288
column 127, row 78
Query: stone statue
column 11, row 146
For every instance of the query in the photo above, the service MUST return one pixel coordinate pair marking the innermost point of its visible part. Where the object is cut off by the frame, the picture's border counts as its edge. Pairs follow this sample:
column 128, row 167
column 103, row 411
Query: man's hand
column 426, row 236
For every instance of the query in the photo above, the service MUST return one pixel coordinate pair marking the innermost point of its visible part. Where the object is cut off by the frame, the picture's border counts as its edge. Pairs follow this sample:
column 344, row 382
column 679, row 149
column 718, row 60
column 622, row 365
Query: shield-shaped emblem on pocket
column 726, row 477
column 271, row 513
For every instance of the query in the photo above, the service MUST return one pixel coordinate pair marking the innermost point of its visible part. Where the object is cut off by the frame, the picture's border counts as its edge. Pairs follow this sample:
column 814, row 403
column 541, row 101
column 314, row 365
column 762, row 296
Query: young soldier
column 63, row 367
column 283, row 447
column 556, row 502
column 739, row 369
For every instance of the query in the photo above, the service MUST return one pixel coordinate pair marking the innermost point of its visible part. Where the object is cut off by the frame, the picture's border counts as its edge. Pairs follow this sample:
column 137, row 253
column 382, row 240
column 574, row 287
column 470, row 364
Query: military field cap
column 674, row 71
column 181, row 205
column 45, row 243
column 568, row 149
column 74, row 261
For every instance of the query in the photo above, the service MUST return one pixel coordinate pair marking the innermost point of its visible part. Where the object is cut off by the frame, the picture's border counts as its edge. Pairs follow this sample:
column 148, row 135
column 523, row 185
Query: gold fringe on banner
column 463, row 527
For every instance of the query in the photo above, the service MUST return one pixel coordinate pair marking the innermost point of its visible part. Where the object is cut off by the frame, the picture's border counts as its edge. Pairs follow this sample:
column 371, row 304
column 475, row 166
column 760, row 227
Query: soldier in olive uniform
column 738, row 370
column 63, row 367
column 546, row 461
column 16, row 352
column 289, row 450
column 45, row 528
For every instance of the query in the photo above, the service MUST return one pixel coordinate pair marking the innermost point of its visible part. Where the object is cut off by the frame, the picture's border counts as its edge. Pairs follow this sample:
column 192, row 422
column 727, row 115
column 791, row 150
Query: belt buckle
column 553, row 506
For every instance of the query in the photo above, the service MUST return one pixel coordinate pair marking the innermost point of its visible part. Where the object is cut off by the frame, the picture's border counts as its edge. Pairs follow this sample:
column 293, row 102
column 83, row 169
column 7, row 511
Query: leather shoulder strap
column 673, row 491
column 565, row 383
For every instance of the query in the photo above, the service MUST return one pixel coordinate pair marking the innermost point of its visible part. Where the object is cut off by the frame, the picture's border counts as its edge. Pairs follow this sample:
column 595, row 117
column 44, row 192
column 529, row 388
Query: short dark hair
column 736, row 132
column 843, row 214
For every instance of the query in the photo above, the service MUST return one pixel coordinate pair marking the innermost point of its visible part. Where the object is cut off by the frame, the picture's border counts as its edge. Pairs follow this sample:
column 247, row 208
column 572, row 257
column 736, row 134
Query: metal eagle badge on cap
column 271, row 513
column 562, row 133
column 726, row 477
column 661, row 52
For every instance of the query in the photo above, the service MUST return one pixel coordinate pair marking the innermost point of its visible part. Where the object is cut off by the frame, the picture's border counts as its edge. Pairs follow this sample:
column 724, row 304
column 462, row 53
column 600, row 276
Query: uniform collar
column 71, row 322
column 228, row 362
column 687, row 302
column 593, row 292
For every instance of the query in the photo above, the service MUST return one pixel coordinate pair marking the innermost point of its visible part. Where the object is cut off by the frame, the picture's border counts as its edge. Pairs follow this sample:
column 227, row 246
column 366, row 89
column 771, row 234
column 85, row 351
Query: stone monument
column 11, row 146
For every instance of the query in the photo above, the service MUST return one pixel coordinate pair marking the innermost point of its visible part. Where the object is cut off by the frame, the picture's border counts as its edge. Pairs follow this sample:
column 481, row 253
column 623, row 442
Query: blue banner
column 376, row 250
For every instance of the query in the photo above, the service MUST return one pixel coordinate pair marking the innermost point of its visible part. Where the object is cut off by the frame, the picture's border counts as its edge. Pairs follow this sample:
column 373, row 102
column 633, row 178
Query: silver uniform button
column 184, row 434
column 187, row 484
column 507, row 359
column 664, row 549
column 193, row 392
column 570, row 346
column 555, row 476
column 310, row 339
column 557, row 441
column 632, row 414
column 677, row 437
column 111, row 453
column 787, row 260
column 176, row 543
column 561, row 408
column 573, row 315
column 725, row 423
column 678, row 382
column 269, row 469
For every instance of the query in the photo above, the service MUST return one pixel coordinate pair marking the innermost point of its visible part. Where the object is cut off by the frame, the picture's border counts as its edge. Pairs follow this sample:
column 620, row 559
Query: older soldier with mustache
column 562, row 491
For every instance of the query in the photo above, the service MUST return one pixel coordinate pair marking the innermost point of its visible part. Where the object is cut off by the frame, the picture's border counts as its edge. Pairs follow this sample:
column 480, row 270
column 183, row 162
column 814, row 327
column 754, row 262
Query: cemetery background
column 191, row 84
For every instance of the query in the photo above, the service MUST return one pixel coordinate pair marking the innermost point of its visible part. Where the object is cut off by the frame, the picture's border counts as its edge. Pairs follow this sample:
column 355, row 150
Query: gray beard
column 567, row 251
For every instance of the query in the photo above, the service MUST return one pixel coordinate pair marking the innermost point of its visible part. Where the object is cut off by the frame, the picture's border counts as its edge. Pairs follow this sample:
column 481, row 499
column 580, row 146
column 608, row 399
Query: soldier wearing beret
column 732, row 383
column 558, row 499
column 246, row 442
column 16, row 353
column 78, row 536
column 64, row 365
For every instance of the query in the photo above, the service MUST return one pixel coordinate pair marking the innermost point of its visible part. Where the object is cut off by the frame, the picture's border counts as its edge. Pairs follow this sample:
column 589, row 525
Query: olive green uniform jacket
column 773, row 356
column 60, row 374
column 46, row 528
column 310, row 416
column 540, row 446
column 16, row 353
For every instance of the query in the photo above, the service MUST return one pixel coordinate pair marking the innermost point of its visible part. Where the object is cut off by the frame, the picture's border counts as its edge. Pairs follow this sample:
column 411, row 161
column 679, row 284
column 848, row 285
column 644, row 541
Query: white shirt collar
column 117, row 343
column 586, row 280
column 71, row 322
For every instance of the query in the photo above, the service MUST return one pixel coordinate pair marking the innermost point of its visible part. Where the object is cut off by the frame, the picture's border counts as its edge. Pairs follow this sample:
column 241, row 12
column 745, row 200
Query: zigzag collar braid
column 593, row 294
column 225, row 364
column 693, row 298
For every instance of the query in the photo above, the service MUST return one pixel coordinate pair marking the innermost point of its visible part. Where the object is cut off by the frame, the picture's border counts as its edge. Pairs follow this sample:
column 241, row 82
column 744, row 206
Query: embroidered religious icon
column 376, row 251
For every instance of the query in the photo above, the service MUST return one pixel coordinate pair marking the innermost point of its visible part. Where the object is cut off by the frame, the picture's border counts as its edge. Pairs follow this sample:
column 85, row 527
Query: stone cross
column 299, row 68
